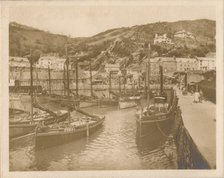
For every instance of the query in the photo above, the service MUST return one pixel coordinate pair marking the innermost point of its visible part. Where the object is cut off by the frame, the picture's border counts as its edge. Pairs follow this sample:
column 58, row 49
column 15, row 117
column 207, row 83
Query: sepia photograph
column 112, row 89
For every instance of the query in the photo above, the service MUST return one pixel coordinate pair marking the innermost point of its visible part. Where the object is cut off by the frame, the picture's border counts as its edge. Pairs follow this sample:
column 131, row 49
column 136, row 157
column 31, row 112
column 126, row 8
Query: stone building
column 206, row 63
column 168, row 64
column 162, row 39
column 18, row 62
column 187, row 64
column 184, row 34
column 112, row 67
column 52, row 62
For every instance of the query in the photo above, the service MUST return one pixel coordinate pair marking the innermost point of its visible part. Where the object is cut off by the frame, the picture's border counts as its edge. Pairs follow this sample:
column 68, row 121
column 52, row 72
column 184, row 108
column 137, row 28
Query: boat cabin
column 160, row 104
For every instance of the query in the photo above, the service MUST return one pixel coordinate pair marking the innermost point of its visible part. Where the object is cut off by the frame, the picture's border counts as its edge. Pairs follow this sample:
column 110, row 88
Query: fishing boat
column 108, row 101
column 70, row 130
column 63, row 101
column 22, row 123
column 155, row 120
column 130, row 101
column 127, row 99
column 157, row 116
column 19, row 126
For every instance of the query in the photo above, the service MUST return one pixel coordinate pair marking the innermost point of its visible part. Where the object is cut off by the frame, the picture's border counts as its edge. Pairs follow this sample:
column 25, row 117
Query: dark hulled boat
column 67, row 131
column 155, row 121
column 24, row 125
column 17, row 130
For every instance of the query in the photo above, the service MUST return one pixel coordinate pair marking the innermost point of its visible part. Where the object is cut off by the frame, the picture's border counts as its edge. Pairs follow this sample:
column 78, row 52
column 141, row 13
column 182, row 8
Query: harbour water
column 112, row 147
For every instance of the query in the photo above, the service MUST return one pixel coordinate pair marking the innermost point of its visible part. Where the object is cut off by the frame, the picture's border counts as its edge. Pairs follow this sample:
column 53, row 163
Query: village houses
column 18, row 62
column 184, row 34
column 162, row 39
column 53, row 62
column 206, row 63
column 187, row 64
column 112, row 68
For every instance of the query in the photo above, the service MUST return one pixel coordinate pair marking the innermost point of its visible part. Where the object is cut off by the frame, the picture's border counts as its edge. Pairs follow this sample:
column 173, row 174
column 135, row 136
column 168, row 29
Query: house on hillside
column 211, row 55
column 162, row 39
column 168, row 64
column 112, row 68
column 154, row 67
column 53, row 62
column 187, row 64
column 206, row 63
column 18, row 62
column 184, row 34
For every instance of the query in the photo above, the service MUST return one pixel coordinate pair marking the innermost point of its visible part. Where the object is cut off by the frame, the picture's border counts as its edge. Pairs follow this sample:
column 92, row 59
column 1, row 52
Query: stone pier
column 198, row 130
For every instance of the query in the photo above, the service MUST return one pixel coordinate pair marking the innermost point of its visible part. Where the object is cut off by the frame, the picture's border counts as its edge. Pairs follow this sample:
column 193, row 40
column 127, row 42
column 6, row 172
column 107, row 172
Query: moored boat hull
column 20, row 130
column 127, row 104
column 61, row 118
column 108, row 102
column 17, row 129
column 45, row 140
column 155, row 132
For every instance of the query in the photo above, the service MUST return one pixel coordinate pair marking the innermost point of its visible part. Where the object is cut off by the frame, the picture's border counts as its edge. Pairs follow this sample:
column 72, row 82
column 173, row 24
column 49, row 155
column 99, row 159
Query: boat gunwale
column 23, row 125
column 156, row 117
column 48, row 118
column 76, row 130
column 153, row 120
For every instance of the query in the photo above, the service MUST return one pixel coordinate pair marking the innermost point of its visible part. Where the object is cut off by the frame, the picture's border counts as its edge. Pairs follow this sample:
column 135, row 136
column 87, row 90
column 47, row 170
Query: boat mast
column 67, row 65
column 64, row 79
column 77, row 78
column 109, row 82
column 133, row 91
column 91, row 82
column 49, row 78
column 33, row 57
column 124, row 82
column 161, row 80
column 148, row 73
column 139, row 84
column 146, row 78
column 119, row 78
column 31, row 85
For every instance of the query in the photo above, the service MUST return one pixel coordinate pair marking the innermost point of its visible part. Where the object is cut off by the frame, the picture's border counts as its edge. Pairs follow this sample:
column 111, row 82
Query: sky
column 84, row 21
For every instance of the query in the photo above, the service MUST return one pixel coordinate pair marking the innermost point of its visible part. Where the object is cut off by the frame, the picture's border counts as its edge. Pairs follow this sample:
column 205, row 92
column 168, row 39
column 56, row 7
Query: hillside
column 121, row 45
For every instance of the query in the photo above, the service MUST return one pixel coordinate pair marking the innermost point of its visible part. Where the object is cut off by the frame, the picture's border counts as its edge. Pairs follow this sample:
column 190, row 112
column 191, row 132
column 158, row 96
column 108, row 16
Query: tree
column 33, row 55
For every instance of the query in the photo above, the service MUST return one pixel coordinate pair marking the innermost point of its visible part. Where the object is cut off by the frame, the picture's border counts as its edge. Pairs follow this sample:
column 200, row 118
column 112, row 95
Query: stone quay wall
column 188, row 155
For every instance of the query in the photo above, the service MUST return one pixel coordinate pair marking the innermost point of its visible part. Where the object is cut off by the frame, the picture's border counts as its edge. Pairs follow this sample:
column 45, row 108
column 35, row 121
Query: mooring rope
column 161, row 130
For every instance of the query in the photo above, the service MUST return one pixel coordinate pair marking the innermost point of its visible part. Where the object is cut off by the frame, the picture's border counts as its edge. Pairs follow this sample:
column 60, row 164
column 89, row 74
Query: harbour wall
column 188, row 155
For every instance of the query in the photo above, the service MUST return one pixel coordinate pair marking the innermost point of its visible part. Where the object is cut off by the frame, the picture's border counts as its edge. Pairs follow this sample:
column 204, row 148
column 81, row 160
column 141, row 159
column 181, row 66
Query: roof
column 18, row 59
column 186, row 59
column 154, row 60
column 47, row 57
column 211, row 55
column 112, row 65
column 206, row 58
column 166, row 59
column 53, row 58
column 183, row 31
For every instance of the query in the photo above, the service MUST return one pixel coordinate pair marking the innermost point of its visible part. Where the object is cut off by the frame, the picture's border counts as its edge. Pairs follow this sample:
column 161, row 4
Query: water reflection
column 115, row 146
